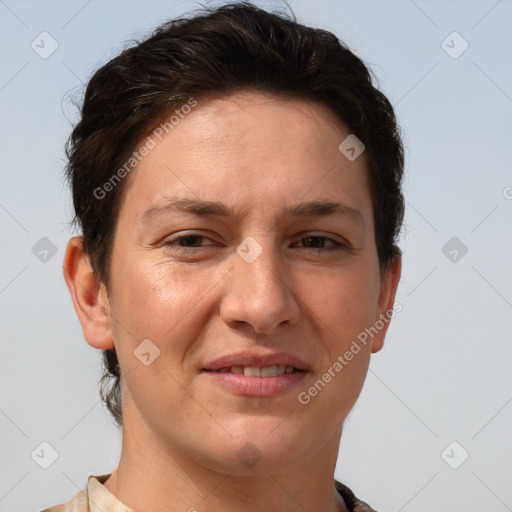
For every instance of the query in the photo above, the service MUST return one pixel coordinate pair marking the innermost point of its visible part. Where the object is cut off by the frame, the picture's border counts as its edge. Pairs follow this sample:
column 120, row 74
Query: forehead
column 232, row 148
column 249, row 120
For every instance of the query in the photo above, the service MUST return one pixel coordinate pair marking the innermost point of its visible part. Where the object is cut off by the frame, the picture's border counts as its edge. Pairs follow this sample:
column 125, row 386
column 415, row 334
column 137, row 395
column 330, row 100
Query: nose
column 258, row 294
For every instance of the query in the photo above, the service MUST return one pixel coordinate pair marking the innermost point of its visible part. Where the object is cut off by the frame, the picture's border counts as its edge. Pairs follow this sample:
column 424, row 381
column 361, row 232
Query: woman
column 237, row 180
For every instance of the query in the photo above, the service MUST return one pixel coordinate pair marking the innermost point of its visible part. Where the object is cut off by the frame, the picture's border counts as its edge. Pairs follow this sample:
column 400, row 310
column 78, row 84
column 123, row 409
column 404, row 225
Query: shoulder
column 354, row 504
column 80, row 502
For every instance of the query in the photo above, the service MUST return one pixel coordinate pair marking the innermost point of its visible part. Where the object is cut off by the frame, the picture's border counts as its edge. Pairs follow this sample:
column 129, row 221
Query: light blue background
column 444, row 374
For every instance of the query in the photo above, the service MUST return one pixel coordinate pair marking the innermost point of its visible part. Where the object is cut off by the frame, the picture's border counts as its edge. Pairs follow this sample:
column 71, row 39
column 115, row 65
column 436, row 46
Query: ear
column 89, row 296
column 386, row 301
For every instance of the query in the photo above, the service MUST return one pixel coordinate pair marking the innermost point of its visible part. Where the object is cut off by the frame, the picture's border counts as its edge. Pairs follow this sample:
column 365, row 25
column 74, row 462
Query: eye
column 188, row 242
column 193, row 242
column 321, row 243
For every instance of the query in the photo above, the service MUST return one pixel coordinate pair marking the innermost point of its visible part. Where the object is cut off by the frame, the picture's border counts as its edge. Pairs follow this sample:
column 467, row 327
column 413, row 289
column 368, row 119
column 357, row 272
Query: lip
column 259, row 360
column 259, row 387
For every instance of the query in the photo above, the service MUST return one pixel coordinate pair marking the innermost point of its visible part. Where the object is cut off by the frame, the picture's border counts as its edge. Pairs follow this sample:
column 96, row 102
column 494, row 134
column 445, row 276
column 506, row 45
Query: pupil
column 189, row 238
column 316, row 239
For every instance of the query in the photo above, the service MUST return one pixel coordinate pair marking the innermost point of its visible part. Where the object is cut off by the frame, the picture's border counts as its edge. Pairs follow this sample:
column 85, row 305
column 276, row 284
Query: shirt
column 97, row 498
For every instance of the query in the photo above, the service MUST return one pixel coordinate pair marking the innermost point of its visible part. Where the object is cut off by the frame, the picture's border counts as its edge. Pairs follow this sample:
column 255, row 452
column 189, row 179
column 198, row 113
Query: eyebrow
column 203, row 208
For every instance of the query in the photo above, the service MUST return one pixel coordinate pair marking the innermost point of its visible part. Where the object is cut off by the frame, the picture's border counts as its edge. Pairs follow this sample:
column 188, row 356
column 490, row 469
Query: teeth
column 269, row 371
column 254, row 371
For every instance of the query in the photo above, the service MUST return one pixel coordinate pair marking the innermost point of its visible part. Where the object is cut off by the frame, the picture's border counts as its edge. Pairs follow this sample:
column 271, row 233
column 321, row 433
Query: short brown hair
column 219, row 51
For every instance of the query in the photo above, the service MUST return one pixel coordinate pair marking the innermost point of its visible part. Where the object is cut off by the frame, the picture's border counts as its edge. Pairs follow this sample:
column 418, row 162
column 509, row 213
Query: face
column 245, row 241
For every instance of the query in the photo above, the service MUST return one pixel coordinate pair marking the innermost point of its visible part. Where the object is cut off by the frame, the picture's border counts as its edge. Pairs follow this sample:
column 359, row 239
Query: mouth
column 256, row 371
column 256, row 382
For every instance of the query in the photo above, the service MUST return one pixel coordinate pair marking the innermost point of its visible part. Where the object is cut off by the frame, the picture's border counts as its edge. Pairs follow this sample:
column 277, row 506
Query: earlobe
column 389, row 285
column 88, row 295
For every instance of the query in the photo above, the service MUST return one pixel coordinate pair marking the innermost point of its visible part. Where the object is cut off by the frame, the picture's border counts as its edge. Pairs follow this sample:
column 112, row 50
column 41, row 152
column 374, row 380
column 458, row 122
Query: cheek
column 345, row 309
column 346, row 302
column 159, row 301
column 349, row 306
column 169, row 306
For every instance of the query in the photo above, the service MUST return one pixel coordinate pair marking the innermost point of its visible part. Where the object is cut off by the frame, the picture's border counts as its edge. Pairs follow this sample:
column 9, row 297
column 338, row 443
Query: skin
column 182, row 432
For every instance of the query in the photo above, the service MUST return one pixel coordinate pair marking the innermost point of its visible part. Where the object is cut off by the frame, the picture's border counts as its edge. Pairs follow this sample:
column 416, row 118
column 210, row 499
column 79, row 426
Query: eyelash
column 338, row 246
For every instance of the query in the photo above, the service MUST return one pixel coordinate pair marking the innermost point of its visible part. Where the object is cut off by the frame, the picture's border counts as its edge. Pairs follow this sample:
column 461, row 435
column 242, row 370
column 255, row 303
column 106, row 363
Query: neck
column 153, row 476
column 149, row 479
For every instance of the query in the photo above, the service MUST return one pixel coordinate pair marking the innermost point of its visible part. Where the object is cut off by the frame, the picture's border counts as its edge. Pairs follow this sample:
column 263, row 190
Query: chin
column 255, row 446
column 249, row 459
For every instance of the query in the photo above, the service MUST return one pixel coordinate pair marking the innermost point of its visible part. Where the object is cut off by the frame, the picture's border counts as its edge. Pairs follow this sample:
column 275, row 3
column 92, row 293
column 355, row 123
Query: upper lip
column 256, row 360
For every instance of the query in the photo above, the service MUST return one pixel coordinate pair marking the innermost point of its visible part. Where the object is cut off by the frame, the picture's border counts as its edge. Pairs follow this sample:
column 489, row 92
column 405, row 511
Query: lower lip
column 261, row 387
